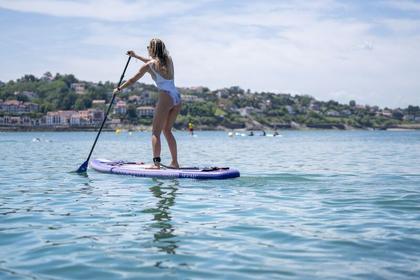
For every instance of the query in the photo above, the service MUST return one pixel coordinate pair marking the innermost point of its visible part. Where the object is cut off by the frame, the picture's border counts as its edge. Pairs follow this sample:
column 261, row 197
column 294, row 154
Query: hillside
column 228, row 108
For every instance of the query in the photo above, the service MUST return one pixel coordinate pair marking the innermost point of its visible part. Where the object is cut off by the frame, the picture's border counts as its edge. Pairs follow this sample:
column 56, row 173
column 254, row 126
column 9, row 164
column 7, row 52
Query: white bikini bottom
column 176, row 97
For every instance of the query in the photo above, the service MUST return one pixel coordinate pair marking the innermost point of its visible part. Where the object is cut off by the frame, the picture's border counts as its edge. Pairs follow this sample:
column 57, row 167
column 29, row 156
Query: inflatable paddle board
column 142, row 170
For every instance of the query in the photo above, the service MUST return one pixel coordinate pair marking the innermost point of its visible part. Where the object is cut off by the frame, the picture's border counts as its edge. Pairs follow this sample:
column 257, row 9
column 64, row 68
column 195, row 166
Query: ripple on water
column 310, row 205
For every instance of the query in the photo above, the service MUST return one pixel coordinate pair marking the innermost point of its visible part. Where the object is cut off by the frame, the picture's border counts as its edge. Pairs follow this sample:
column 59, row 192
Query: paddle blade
column 83, row 167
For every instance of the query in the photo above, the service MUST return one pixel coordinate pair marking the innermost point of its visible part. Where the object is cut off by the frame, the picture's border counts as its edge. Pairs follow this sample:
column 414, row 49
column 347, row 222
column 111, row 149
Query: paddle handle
column 109, row 109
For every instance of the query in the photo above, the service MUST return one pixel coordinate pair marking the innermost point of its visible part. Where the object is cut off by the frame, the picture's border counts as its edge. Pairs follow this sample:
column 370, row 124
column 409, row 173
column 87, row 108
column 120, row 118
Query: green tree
column 132, row 112
column 413, row 110
column 83, row 102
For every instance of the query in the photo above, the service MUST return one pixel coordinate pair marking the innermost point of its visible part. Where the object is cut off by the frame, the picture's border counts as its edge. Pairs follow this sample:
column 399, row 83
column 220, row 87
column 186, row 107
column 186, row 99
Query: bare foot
column 174, row 165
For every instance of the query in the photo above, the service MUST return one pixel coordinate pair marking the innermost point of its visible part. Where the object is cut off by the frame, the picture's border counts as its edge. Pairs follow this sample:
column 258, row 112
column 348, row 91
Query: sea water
column 308, row 205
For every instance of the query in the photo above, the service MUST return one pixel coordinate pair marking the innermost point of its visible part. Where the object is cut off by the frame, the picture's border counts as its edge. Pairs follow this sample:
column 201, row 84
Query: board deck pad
column 142, row 170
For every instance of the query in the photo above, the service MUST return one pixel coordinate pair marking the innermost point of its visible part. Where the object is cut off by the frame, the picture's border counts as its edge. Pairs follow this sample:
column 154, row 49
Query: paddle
column 84, row 166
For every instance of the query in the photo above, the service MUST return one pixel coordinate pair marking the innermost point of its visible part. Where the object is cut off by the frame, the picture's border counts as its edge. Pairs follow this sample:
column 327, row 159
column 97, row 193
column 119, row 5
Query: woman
column 161, row 68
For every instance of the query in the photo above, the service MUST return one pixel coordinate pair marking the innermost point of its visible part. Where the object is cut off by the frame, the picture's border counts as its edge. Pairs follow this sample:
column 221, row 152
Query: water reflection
column 165, row 192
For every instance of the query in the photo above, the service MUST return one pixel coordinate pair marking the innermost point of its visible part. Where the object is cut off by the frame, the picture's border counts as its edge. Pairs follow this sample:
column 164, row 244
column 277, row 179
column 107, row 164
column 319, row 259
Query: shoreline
column 413, row 127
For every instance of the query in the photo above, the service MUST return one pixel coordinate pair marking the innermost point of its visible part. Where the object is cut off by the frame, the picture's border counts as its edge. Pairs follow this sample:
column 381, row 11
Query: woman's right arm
column 133, row 54
column 143, row 70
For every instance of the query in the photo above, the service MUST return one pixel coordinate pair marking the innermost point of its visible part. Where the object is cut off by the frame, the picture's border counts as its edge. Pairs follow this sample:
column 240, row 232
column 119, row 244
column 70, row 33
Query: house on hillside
column 385, row 113
column 98, row 103
column 290, row 109
column 246, row 111
column 65, row 116
column 373, row 109
column 31, row 107
column 28, row 94
column 315, row 106
column 145, row 111
column 79, row 88
column 120, row 108
column 412, row 118
column 18, row 107
column 346, row 113
column 96, row 116
column 191, row 98
column 222, row 93
column 11, row 106
column 88, row 117
column 134, row 99
column 332, row 113
column 52, row 118
column 75, row 119
column 236, row 89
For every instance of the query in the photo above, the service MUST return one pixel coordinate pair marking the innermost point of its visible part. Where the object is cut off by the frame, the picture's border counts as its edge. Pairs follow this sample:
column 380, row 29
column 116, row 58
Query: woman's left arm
column 143, row 70
column 139, row 57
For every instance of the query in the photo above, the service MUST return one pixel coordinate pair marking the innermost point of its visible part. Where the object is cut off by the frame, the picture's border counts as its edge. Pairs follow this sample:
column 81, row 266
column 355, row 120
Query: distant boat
column 240, row 134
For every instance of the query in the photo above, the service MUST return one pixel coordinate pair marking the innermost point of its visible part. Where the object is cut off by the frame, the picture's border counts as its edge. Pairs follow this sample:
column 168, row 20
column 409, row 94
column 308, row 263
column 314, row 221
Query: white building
column 145, row 111
column 29, row 94
column 346, row 112
column 75, row 119
column 386, row 113
column 52, row 118
column 79, row 88
column 134, row 99
column 65, row 117
column 18, row 107
column 246, row 111
column 98, row 103
column 91, row 116
column 290, row 109
column 96, row 115
column 333, row 113
column 191, row 98
column 120, row 108
column 314, row 106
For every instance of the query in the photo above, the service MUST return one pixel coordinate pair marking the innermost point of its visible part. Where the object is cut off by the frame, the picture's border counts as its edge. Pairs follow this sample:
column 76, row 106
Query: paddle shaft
column 109, row 109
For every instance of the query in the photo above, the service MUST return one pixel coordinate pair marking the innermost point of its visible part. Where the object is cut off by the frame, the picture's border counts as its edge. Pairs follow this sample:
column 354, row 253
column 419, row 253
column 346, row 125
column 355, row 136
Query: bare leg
column 161, row 114
column 167, row 131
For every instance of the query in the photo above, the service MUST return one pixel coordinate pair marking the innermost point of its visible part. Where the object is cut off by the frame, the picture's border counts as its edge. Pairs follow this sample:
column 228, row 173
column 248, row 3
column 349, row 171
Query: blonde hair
column 158, row 51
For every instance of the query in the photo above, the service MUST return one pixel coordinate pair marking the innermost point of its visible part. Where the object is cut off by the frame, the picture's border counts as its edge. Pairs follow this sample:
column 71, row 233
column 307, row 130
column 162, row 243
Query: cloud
column 404, row 5
column 107, row 10
column 302, row 51
column 304, row 47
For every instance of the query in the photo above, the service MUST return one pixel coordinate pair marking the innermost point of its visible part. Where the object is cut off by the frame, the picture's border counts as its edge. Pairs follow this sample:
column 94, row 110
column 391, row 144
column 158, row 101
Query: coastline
column 402, row 127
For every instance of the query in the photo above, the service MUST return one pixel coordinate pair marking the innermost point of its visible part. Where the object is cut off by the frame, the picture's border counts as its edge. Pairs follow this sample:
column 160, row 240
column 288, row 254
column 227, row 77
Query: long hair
column 158, row 50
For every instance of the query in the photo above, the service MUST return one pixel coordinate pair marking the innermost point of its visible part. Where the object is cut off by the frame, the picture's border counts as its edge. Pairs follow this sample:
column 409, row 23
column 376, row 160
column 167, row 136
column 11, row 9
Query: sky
column 367, row 51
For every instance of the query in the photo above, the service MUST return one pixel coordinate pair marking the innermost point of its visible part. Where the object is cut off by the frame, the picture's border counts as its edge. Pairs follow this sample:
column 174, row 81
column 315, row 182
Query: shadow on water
column 165, row 192
column 85, row 181
column 81, row 174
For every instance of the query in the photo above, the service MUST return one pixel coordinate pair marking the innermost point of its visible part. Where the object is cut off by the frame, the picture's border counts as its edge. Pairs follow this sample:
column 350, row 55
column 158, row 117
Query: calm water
column 308, row 205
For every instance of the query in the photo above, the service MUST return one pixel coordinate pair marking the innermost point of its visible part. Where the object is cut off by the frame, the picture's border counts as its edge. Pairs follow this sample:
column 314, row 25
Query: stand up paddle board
column 144, row 170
